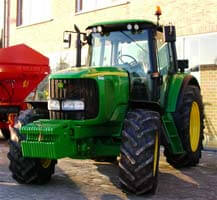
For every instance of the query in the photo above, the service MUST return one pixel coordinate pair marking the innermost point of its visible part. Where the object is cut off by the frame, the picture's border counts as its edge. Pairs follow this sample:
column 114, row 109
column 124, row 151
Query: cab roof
column 121, row 24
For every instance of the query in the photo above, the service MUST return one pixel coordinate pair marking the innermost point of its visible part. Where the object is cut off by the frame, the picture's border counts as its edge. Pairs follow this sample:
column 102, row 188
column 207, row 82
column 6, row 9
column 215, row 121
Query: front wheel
column 139, row 157
column 27, row 170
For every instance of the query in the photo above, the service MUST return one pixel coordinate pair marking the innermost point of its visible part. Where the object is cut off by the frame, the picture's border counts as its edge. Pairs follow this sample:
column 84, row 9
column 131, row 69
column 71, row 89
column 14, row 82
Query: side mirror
column 67, row 37
column 169, row 33
column 67, row 42
column 87, row 39
column 182, row 65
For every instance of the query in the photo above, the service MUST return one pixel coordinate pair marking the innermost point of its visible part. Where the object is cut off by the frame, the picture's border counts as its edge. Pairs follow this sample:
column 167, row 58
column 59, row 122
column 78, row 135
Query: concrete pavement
column 89, row 180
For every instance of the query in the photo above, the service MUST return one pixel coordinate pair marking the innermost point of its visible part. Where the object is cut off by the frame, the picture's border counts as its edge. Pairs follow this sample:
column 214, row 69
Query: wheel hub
column 194, row 126
column 155, row 155
column 45, row 163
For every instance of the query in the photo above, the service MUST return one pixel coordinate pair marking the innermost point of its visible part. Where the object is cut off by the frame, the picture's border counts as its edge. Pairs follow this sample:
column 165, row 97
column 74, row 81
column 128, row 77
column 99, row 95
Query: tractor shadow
column 61, row 186
column 83, row 180
column 198, row 182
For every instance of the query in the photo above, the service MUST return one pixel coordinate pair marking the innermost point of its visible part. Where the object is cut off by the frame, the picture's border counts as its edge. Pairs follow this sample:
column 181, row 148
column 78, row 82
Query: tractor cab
column 145, row 50
column 121, row 46
column 126, row 45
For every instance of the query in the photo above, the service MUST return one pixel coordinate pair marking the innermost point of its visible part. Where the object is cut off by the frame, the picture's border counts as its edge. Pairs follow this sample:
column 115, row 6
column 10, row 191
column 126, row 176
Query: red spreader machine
column 21, row 70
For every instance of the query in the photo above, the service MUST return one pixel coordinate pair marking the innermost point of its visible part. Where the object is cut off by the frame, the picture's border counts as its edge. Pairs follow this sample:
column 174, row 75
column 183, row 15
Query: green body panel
column 174, row 87
column 89, row 72
column 175, row 144
column 111, row 83
column 171, row 94
column 62, row 138
column 80, row 138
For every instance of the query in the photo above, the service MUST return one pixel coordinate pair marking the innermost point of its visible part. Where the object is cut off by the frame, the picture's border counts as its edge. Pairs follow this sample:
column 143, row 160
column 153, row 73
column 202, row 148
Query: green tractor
column 132, row 97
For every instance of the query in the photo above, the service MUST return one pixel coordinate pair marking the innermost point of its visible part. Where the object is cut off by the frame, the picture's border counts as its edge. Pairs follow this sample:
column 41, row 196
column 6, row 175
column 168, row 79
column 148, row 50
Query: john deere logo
column 60, row 85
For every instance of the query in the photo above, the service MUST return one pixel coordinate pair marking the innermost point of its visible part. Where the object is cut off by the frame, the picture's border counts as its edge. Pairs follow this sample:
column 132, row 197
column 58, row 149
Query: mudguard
column 177, row 83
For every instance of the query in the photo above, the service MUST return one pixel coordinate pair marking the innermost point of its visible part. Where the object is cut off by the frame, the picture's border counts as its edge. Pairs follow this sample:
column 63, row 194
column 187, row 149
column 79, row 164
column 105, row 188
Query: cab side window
column 165, row 58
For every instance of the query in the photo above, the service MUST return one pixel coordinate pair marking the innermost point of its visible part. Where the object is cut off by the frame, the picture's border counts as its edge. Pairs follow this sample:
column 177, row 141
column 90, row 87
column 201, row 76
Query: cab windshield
column 125, row 49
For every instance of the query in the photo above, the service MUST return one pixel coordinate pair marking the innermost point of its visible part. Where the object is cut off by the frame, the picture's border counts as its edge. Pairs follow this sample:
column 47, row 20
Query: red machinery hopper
column 21, row 70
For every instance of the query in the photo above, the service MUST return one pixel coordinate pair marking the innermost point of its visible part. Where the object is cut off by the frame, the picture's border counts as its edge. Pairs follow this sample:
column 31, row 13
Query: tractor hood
column 89, row 72
column 100, row 86
column 105, row 93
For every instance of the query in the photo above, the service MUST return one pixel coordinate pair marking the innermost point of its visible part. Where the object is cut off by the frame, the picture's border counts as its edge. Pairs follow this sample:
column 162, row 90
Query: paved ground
column 89, row 180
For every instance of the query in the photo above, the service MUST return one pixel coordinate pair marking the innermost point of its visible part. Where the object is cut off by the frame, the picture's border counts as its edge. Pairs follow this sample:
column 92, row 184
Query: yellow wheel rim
column 194, row 126
column 155, row 155
column 45, row 163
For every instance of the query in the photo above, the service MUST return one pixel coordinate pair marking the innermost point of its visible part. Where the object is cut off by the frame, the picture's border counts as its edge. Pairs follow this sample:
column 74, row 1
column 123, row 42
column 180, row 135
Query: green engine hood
column 88, row 72
column 46, row 138
column 113, row 87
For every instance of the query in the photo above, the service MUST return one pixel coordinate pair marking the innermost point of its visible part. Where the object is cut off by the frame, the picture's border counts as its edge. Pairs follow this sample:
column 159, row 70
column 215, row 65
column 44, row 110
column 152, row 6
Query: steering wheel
column 132, row 63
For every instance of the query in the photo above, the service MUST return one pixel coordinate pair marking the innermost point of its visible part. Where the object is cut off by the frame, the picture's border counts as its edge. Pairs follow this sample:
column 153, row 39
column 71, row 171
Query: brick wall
column 208, row 78
column 190, row 17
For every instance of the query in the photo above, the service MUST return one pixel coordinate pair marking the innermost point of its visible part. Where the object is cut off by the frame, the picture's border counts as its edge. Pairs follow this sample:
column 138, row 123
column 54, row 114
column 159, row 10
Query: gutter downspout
column 8, row 23
column 6, row 27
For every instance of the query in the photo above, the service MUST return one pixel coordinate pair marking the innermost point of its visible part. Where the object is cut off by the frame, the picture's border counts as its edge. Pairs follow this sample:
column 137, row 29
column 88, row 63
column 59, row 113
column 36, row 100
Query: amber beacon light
column 158, row 13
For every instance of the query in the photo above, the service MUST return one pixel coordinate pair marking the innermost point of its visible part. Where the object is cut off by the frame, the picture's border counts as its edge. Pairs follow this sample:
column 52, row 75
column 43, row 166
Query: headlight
column 53, row 105
column 99, row 29
column 72, row 105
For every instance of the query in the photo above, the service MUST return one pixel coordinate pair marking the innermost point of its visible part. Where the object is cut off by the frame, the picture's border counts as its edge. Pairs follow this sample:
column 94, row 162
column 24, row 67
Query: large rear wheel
column 139, row 157
column 189, row 122
column 27, row 170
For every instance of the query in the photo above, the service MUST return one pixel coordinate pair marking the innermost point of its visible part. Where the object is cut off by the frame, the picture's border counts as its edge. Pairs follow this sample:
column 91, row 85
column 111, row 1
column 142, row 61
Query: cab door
column 166, row 64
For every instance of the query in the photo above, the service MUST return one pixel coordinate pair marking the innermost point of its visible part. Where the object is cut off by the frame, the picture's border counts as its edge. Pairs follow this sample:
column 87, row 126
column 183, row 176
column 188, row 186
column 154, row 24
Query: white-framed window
column 199, row 49
column 90, row 5
column 33, row 11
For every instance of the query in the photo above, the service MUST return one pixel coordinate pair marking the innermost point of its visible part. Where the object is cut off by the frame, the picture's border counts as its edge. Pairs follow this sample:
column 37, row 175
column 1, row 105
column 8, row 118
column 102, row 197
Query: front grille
column 75, row 89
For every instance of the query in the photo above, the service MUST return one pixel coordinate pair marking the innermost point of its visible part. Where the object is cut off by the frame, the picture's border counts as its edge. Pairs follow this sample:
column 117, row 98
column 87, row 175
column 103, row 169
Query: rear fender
column 178, row 83
column 188, row 80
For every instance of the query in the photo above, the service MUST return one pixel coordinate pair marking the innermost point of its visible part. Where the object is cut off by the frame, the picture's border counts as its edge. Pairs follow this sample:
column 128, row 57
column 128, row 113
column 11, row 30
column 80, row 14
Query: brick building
column 208, row 81
column 40, row 24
